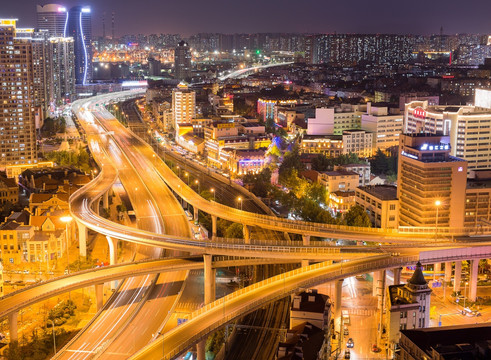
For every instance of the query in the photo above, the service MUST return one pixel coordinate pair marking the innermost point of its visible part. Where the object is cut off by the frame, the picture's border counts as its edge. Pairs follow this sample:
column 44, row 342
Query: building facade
column 385, row 125
column 468, row 128
column 182, row 62
column 17, row 110
column 183, row 105
column 52, row 17
column 359, row 142
column 79, row 27
column 430, row 183
column 381, row 204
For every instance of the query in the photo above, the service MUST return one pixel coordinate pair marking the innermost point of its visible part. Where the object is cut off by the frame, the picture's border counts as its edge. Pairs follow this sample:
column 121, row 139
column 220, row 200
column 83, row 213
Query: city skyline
column 195, row 17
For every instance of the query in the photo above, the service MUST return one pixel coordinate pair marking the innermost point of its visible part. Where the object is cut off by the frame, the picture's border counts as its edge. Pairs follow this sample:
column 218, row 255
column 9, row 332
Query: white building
column 333, row 121
column 384, row 124
column 359, row 142
column 468, row 128
column 183, row 105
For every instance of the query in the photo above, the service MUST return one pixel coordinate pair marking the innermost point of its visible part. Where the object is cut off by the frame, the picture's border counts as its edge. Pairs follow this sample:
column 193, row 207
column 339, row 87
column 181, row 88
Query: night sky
column 248, row 16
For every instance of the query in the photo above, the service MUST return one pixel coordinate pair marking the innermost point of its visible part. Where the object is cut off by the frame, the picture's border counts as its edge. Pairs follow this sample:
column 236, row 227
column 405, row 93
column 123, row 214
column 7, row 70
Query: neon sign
column 419, row 113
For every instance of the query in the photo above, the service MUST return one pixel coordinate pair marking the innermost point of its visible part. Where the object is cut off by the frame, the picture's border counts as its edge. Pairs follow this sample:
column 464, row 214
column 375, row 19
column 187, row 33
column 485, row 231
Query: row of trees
column 79, row 159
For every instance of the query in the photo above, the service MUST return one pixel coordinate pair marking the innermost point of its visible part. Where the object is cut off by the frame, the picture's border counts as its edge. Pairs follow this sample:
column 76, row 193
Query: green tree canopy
column 356, row 216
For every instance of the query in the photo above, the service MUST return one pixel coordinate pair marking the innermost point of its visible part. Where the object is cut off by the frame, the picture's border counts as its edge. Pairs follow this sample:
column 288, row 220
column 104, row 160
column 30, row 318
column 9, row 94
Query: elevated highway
column 211, row 317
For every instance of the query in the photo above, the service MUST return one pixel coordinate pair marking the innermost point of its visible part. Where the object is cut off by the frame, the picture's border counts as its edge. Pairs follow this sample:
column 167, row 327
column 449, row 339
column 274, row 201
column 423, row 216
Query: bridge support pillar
column 200, row 350
column 474, row 270
column 97, row 204
column 397, row 275
column 448, row 272
column 306, row 240
column 209, row 279
column 82, row 239
column 105, row 200
column 113, row 250
column 305, row 263
column 338, row 295
column 195, row 214
column 99, row 295
column 13, row 326
column 380, row 290
column 113, row 256
column 377, row 277
column 457, row 276
column 213, row 226
column 437, row 268
column 247, row 234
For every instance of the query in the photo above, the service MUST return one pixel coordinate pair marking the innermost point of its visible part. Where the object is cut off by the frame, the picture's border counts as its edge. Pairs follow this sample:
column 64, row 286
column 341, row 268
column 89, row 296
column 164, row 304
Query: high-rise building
column 17, row 111
column 467, row 126
column 79, row 27
column 430, row 183
column 52, row 17
column 183, row 105
column 40, row 70
column 62, row 69
column 182, row 61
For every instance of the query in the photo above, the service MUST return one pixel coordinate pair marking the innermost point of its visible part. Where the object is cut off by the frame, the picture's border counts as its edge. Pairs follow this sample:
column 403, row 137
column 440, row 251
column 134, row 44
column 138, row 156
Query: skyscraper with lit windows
column 17, row 110
column 79, row 27
column 182, row 61
column 52, row 17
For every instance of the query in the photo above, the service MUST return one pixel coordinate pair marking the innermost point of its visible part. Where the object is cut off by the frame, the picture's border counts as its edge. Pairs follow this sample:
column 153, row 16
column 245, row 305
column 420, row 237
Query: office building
column 385, row 124
column 470, row 341
column 17, row 111
column 468, row 128
column 380, row 203
column 79, row 27
column 52, row 17
column 267, row 107
column 335, row 120
column 407, row 307
column 430, row 183
column 339, row 180
column 183, row 105
column 182, row 62
column 359, row 142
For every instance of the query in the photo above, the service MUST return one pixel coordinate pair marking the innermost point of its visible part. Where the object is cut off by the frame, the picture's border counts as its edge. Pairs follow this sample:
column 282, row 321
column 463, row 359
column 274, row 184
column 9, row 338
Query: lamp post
column 465, row 292
column 54, row 336
column 67, row 220
column 179, row 171
column 197, row 183
column 213, row 191
column 186, row 174
column 437, row 204
column 239, row 199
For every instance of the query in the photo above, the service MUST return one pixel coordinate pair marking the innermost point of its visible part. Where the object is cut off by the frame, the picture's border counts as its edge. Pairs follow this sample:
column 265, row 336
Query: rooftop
column 381, row 192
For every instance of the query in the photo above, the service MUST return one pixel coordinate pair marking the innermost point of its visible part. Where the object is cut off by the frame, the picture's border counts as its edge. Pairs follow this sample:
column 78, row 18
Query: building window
column 392, row 207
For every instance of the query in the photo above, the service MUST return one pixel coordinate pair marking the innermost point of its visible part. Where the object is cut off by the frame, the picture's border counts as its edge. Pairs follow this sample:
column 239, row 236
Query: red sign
column 419, row 113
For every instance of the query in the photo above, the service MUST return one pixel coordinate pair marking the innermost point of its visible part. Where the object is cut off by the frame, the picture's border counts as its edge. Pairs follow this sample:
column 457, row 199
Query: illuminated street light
column 239, row 199
column 67, row 220
column 213, row 191
column 197, row 183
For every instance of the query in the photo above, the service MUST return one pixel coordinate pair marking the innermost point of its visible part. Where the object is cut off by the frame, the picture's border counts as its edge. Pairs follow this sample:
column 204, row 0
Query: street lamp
column 437, row 204
column 67, row 220
column 54, row 336
column 186, row 174
column 239, row 199
column 213, row 191
column 197, row 183
column 179, row 171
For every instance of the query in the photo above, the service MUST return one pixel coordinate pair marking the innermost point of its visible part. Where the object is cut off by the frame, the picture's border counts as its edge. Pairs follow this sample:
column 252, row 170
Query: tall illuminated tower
column 51, row 17
column 182, row 61
column 17, row 104
column 79, row 27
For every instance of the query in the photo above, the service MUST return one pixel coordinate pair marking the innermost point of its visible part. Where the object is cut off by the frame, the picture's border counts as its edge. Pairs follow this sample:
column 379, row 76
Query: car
column 347, row 354
column 26, row 271
column 350, row 344
column 375, row 348
column 346, row 331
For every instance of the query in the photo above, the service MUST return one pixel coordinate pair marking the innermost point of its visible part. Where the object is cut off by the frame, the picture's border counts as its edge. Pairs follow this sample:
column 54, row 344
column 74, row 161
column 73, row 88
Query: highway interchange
column 163, row 224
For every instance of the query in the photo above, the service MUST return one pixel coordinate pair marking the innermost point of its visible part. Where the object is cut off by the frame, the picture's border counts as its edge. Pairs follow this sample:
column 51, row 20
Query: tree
column 291, row 161
column 356, row 216
column 235, row 231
